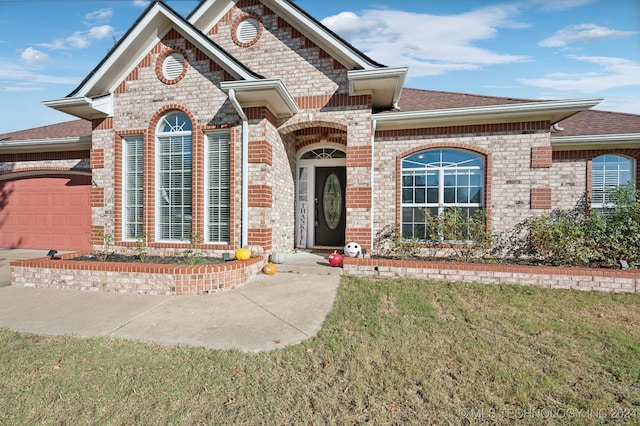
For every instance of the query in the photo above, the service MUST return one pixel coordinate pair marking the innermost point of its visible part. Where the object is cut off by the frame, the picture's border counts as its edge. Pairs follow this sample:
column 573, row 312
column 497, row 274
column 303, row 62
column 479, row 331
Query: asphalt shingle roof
column 596, row 122
column 424, row 100
column 68, row 129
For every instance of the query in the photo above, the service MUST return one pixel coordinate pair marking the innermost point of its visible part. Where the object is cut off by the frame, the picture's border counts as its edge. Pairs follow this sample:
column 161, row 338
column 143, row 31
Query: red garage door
column 46, row 212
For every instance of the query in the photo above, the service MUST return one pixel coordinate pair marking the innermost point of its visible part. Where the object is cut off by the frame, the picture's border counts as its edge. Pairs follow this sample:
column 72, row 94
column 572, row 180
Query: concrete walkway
column 267, row 313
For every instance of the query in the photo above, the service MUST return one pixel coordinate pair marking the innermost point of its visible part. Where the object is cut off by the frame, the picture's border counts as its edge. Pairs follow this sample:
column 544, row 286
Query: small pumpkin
column 269, row 269
column 243, row 253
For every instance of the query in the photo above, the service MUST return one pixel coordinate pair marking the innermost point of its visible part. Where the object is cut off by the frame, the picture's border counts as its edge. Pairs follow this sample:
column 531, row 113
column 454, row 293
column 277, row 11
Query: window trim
column 606, row 205
column 484, row 168
column 178, row 132
column 126, row 139
column 208, row 222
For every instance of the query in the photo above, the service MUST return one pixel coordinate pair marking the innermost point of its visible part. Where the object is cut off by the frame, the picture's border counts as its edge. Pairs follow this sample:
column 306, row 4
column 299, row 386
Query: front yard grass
column 390, row 352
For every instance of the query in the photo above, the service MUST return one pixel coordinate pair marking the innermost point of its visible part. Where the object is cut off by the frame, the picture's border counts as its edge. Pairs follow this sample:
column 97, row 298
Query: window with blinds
column 218, row 187
column 609, row 172
column 174, row 164
column 133, row 163
column 436, row 179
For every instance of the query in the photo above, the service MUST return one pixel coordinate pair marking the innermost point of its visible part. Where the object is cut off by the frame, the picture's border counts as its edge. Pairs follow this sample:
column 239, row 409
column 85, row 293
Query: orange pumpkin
column 269, row 269
column 243, row 254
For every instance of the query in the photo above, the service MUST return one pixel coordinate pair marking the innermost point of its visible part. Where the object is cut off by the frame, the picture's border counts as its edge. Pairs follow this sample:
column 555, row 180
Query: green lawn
column 392, row 351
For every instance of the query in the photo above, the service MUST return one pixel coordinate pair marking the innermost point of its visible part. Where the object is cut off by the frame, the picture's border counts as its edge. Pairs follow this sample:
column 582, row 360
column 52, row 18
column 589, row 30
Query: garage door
column 46, row 212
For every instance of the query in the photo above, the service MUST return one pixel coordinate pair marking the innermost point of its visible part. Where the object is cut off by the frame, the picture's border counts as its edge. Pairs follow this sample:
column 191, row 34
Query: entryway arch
column 321, row 195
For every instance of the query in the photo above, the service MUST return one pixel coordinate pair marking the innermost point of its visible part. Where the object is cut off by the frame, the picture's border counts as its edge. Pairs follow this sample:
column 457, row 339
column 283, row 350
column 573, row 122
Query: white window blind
column 133, row 163
column 174, row 179
column 609, row 172
column 218, row 198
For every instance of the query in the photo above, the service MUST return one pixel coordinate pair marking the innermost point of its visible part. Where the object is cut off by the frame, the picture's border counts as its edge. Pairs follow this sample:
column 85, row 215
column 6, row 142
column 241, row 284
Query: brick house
column 250, row 123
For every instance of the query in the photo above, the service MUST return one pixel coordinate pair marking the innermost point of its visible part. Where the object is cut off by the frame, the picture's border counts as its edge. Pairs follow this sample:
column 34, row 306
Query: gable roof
column 209, row 12
column 93, row 97
column 156, row 21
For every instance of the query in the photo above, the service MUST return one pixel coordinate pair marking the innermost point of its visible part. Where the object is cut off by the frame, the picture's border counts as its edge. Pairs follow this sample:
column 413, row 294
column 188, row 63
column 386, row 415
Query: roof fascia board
column 327, row 40
column 208, row 13
column 75, row 143
column 149, row 31
column 569, row 143
column 83, row 107
column 392, row 78
column 268, row 88
column 554, row 111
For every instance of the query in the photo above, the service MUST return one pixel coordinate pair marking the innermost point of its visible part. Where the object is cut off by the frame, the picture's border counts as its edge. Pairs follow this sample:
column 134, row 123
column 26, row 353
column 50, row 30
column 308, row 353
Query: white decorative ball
column 352, row 249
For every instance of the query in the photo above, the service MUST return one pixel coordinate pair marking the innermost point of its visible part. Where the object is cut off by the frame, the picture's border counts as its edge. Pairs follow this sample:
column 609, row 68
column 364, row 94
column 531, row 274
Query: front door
column 330, row 211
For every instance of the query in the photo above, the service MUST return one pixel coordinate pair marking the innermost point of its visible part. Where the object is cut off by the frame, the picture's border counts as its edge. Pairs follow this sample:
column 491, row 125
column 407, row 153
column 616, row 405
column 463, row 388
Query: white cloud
column 614, row 72
column 583, row 32
column 81, row 39
column 99, row 16
column 140, row 3
column 31, row 55
column 19, row 75
column 557, row 5
column 428, row 44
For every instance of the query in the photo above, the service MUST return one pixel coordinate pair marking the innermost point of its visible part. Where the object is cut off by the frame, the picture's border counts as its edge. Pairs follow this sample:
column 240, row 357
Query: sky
column 531, row 49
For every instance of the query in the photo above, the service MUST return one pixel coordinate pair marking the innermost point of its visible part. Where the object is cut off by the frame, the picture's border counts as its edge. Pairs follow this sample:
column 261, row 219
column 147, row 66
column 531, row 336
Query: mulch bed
column 161, row 260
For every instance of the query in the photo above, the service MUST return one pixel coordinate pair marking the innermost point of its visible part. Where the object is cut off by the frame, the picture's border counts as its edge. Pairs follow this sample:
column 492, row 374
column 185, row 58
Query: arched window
column 435, row 180
column 609, row 172
column 173, row 177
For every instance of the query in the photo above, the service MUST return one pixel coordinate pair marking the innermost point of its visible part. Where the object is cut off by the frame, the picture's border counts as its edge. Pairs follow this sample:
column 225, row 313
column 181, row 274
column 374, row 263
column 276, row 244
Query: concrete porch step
column 307, row 263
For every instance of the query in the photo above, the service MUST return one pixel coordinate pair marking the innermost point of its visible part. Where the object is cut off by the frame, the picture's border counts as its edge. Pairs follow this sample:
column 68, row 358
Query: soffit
column 552, row 111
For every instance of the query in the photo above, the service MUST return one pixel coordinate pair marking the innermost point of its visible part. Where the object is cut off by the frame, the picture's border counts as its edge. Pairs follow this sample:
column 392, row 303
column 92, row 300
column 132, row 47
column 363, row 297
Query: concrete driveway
column 8, row 255
column 267, row 313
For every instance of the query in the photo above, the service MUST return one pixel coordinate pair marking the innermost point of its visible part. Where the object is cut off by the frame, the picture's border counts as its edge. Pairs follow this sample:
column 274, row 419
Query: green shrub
column 572, row 238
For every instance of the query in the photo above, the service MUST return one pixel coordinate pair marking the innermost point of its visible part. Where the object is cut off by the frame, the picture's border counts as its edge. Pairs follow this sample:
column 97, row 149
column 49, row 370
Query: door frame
column 305, row 192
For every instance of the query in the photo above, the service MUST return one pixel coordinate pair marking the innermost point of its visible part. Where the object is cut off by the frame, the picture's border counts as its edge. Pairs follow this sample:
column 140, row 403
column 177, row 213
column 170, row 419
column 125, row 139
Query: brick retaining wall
column 139, row 278
column 611, row 280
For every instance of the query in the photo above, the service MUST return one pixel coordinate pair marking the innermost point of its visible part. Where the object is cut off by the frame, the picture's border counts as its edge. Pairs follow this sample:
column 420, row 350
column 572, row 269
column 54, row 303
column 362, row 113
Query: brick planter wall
column 138, row 278
column 611, row 280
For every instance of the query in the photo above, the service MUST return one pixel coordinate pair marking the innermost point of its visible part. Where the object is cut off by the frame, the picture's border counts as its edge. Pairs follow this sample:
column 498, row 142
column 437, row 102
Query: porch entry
column 321, row 213
column 330, row 211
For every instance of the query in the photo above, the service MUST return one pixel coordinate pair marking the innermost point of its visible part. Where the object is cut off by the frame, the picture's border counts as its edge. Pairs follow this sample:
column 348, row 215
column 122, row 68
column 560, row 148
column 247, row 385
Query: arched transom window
column 174, row 166
column 435, row 180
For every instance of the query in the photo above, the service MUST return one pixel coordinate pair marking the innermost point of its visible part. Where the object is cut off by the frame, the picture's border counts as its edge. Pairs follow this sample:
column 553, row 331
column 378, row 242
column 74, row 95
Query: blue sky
column 534, row 49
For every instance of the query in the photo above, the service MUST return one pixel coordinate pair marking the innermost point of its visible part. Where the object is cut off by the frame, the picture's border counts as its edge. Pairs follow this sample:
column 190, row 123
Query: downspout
column 244, row 228
column 374, row 124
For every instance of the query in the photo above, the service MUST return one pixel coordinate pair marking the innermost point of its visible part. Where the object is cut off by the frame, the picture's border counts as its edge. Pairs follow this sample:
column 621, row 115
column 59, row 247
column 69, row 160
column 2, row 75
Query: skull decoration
column 335, row 259
column 353, row 249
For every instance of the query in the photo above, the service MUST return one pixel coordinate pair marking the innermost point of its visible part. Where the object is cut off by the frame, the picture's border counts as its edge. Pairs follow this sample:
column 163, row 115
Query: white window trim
column 125, row 187
column 208, row 223
column 441, row 205
column 175, row 133
column 603, row 206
